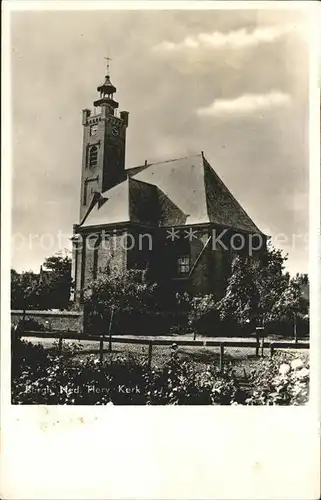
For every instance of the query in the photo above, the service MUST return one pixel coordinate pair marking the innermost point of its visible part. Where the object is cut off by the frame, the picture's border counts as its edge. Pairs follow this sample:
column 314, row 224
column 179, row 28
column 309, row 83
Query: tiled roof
column 181, row 182
column 114, row 210
column 173, row 193
column 143, row 206
column 223, row 208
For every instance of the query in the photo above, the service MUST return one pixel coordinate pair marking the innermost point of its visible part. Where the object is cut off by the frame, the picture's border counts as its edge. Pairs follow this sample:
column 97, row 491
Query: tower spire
column 108, row 59
column 107, row 90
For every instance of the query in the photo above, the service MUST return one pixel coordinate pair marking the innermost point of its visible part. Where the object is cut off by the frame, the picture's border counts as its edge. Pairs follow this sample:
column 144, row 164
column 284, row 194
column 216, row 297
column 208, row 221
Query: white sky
column 230, row 83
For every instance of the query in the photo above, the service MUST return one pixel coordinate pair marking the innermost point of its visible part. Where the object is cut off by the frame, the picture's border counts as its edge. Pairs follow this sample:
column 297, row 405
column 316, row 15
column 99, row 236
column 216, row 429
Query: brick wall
column 52, row 320
column 89, row 259
column 209, row 276
column 137, row 323
column 111, row 251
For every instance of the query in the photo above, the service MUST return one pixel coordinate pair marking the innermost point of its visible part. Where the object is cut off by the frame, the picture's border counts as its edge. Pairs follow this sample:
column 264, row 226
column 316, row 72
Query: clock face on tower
column 115, row 129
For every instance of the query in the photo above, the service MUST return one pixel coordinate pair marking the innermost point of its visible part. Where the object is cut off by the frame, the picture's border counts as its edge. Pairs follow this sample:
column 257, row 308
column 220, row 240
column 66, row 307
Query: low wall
column 138, row 323
column 70, row 321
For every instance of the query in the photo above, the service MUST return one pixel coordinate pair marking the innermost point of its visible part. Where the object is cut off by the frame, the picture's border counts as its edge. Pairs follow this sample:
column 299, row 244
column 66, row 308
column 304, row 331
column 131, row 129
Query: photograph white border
column 161, row 452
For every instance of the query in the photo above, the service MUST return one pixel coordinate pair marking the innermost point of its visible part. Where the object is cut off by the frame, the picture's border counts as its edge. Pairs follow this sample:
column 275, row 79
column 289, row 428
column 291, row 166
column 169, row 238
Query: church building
column 175, row 218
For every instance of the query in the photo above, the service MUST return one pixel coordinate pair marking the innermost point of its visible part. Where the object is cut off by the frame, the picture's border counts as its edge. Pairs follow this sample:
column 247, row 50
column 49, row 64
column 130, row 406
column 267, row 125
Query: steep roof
column 113, row 207
column 181, row 182
column 223, row 208
column 172, row 193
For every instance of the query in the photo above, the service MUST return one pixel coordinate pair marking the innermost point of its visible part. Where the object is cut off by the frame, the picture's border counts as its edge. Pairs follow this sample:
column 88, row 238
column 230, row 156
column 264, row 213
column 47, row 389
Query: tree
column 262, row 290
column 55, row 282
column 50, row 289
column 241, row 300
column 24, row 290
column 292, row 302
column 126, row 291
column 202, row 314
column 271, row 281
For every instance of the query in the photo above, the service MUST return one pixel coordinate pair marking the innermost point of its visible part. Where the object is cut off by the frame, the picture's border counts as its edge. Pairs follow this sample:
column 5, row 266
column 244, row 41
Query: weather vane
column 108, row 59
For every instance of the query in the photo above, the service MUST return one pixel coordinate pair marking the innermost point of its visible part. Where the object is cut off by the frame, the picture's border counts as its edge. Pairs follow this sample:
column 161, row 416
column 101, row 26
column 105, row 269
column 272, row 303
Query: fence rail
column 256, row 343
column 54, row 334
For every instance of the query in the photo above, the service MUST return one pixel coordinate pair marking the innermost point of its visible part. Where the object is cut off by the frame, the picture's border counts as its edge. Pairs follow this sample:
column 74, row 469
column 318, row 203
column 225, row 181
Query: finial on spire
column 107, row 90
column 108, row 59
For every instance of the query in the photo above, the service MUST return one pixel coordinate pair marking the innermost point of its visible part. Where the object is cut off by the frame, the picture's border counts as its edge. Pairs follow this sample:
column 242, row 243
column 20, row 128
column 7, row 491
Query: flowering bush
column 43, row 377
column 282, row 380
column 178, row 383
column 40, row 377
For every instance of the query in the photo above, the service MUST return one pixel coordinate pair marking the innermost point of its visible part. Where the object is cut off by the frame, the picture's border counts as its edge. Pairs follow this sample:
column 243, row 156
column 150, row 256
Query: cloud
column 245, row 104
column 236, row 39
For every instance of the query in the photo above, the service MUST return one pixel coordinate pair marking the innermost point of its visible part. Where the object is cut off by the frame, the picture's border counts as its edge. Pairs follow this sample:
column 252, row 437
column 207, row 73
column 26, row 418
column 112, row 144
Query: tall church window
column 93, row 156
column 183, row 265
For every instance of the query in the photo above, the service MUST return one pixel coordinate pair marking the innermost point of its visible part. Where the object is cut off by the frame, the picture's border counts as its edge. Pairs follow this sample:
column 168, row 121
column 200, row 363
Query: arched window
column 93, row 156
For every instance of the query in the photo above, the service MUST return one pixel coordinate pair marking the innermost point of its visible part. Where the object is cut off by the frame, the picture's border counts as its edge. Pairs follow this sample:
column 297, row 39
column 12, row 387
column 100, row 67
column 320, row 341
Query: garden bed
column 185, row 375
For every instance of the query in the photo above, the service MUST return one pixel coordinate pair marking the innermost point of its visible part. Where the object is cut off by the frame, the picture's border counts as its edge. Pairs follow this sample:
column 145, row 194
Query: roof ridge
column 174, row 159
column 146, row 165
column 130, row 179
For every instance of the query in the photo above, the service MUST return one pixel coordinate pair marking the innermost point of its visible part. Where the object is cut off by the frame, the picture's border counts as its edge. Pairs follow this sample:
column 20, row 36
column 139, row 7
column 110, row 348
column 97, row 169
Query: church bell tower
column 104, row 140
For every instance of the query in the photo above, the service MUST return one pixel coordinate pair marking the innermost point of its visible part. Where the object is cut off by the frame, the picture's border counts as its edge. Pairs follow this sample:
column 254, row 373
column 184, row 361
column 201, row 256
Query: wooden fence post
column 60, row 344
column 150, row 352
column 222, row 357
column 23, row 318
column 257, row 347
column 262, row 346
column 101, row 349
column 271, row 349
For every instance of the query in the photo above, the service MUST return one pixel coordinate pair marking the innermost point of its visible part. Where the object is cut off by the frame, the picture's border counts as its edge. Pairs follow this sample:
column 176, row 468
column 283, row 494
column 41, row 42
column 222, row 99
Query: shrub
column 41, row 376
column 285, row 328
column 282, row 380
column 31, row 324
